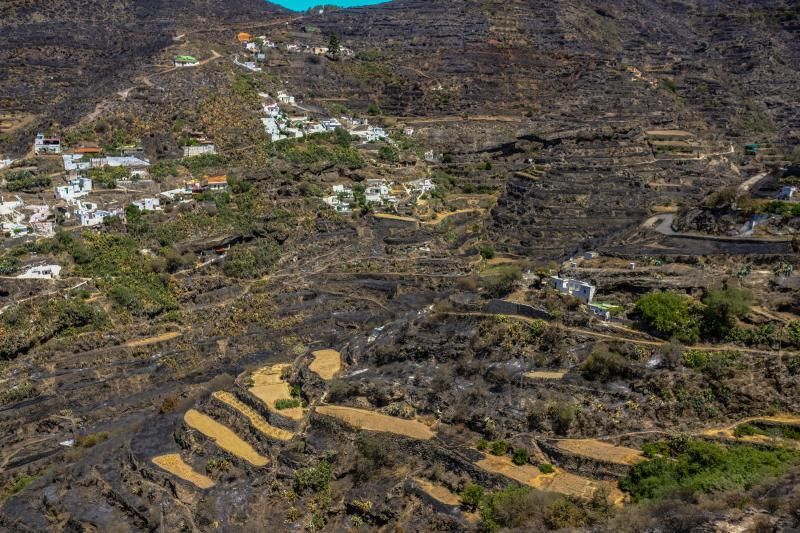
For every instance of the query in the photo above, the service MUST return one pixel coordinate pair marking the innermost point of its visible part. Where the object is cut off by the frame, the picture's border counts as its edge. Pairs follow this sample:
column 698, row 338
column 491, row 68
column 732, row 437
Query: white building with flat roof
column 42, row 272
column 573, row 287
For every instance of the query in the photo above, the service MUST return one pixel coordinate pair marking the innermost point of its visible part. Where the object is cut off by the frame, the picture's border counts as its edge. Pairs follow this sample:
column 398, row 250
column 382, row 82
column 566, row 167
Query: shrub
column 713, row 364
column 520, row 456
column 604, row 365
column 315, row 478
column 287, row 403
column 498, row 447
column 793, row 333
column 487, row 252
column 670, row 314
column 722, row 309
column 390, row 154
column 8, row 265
column 471, row 496
column 694, row 466
column 200, row 162
column 562, row 416
column 253, row 262
column 483, row 445
column 108, row 177
column 546, row 468
column 87, row 441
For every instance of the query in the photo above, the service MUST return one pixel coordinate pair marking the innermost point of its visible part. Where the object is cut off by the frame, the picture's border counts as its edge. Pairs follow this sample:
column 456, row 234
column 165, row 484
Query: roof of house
column 88, row 150
column 244, row 36
column 210, row 180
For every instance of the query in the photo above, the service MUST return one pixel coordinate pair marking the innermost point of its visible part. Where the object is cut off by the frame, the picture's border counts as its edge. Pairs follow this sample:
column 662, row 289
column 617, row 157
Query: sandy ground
column 256, row 420
column 601, row 451
column 173, row 464
column 372, row 421
column 326, row 363
column 269, row 387
column 224, row 437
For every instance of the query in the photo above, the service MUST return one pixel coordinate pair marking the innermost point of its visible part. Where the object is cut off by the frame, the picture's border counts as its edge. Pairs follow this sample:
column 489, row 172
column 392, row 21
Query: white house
column 285, row 98
column 4, row 163
column 421, row 185
column 378, row 191
column 148, row 204
column 251, row 46
column 272, row 109
column 330, row 124
column 341, row 199
column 573, row 287
column 97, row 216
column 408, row 131
column 76, row 188
column 46, row 145
column 42, row 272
column 199, row 149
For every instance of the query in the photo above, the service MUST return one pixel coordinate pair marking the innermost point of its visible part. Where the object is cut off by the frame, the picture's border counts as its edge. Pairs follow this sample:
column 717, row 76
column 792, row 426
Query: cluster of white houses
column 18, row 219
column 377, row 192
column 280, row 125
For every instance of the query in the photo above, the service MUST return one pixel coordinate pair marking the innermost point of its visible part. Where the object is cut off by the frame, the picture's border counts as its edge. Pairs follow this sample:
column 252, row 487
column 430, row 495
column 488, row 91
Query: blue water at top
column 303, row 5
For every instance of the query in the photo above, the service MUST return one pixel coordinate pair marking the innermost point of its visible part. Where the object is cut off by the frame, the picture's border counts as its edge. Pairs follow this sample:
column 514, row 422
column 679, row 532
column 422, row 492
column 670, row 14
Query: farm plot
column 224, row 437
column 255, row 419
column 602, row 451
column 326, row 363
column 175, row 465
column 269, row 387
column 372, row 421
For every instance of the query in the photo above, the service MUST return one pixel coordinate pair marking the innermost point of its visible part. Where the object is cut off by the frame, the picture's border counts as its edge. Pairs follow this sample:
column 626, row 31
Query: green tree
column 471, row 496
column 334, row 48
column 670, row 314
column 723, row 308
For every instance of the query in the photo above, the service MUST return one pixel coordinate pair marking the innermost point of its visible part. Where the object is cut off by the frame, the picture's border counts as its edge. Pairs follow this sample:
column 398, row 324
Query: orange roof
column 244, row 37
column 217, row 179
column 87, row 150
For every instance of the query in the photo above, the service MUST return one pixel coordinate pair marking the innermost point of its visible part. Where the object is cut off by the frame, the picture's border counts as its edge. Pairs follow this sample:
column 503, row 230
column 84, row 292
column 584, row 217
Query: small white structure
column 76, row 188
column 341, row 200
column 74, row 163
column 46, row 145
column 42, row 272
column 292, row 47
column 124, row 161
column 591, row 255
column 175, row 194
column 408, row 131
column 199, row 149
column 272, row 109
column 251, row 46
column 573, row 287
column 5, row 163
column 320, row 50
column 97, row 216
column 148, row 204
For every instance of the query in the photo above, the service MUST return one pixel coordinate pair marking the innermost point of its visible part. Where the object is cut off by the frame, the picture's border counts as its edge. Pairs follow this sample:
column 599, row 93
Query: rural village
column 258, row 290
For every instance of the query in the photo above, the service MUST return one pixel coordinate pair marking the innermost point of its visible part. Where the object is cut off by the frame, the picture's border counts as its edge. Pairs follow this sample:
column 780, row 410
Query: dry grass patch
column 153, row 340
column 602, row 451
column 269, row 388
column 437, row 492
column 559, row 481
column 372, row 421
column 256, row 420
column 224, row 437
column 546, row 374
column 175, row 465
column 326, row 363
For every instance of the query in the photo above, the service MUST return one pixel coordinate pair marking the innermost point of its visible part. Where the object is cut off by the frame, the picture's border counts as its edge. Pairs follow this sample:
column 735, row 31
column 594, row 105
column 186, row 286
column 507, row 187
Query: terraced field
column 175, row 465
column 224, row 437
column 326, row 363
column 602, row 451
column 372, row 421
column 269, row 387
column 255, row 419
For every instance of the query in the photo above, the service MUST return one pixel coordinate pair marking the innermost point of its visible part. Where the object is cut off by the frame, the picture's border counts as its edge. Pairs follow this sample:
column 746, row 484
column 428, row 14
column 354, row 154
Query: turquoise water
column 302, row 5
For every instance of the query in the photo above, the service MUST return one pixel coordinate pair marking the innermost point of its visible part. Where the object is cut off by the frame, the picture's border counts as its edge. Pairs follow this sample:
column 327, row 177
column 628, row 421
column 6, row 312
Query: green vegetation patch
column 671, row 315
column 777, row 431
column 320, row 149
column 26, row 181
column 693, row 466
column 314, row 478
